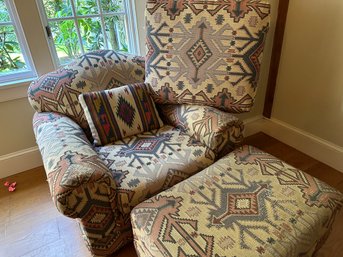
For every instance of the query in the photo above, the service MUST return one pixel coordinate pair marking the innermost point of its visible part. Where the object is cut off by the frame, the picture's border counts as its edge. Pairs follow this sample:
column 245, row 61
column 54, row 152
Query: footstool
column 247, row 204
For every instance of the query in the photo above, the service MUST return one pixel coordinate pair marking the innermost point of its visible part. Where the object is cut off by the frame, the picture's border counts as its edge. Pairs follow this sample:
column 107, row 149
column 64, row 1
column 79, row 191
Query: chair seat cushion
column 248, row 203
column 146, row 164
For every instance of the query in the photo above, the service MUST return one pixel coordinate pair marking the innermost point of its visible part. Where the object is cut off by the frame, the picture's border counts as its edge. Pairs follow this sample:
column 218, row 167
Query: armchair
column 98, row 186
column 202, row 65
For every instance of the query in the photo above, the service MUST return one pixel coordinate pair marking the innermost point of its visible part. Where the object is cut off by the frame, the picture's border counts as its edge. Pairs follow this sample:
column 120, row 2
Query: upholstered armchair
column 197, row 79
column 99, row 186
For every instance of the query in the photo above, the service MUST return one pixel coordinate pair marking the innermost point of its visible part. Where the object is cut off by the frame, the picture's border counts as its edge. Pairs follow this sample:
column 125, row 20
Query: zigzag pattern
column 58, row 91
column 206, row 52
column 234, row 206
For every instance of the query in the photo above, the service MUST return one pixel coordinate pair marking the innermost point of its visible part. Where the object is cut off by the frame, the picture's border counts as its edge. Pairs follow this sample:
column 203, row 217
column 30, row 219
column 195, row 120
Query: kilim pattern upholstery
column 120, row 112
column 206, row 52
column 58, row 91
column 248, row 203
column 99, row 186
column 151, row 162
column 202, row 54
column 214, row 128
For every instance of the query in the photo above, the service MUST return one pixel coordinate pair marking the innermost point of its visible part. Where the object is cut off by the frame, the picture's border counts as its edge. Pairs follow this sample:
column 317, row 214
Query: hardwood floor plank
column 326, row 174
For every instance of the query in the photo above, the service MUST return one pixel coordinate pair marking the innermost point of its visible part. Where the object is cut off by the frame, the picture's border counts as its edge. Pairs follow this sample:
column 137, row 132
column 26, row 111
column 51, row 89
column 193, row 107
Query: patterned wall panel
column 206, row 52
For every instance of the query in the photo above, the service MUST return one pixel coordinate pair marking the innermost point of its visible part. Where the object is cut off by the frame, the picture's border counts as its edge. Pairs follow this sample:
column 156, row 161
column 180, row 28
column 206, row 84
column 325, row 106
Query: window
column 78, row 26
column 14, row 61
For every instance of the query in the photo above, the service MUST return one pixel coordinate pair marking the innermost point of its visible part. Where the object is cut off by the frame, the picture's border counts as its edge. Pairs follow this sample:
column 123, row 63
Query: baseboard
column 318, row 148
column 20, row 161
column 253, row 125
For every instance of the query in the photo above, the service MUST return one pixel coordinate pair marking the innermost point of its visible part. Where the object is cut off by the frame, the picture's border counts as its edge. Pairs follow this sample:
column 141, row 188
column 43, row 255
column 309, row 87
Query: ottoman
column 247, row 204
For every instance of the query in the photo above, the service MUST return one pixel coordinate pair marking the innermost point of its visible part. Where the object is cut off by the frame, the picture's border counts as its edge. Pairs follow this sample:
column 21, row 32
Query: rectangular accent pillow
column 120, row 112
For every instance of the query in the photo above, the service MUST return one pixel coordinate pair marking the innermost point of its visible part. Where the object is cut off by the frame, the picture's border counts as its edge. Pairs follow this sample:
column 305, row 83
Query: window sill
column 14, row 90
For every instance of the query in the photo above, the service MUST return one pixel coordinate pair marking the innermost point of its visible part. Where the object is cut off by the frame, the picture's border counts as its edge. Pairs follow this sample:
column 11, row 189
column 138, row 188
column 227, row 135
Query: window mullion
column 103, row 27
column 45, row 21
column 77, row 26
column 6, row 23
column 129, row 37
column 114, row 13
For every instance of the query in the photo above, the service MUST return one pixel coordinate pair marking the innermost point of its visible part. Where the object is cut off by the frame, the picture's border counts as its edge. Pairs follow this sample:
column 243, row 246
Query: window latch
column 48, row 31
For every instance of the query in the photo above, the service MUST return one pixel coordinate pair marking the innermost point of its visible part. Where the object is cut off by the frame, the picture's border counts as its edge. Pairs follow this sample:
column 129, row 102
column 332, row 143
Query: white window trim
column 30, row 72
column 133, row 24
column 130, row 24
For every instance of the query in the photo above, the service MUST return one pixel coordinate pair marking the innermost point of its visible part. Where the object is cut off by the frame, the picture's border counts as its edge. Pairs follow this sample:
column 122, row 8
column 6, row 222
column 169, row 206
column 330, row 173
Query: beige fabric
column 248, row 204
column 212, row 127
column 206, row 52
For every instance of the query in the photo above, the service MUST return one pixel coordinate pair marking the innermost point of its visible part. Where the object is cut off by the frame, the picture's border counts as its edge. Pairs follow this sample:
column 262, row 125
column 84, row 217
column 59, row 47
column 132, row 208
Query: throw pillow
column 120, row 112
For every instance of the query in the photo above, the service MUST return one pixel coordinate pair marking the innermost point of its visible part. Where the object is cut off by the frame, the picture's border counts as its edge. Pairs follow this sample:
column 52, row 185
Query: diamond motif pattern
column 202, row 44
column 199, row 53
column 194, row 218
column 58, row 91
column 242, row 204
column 146, row 145
column 125, row 111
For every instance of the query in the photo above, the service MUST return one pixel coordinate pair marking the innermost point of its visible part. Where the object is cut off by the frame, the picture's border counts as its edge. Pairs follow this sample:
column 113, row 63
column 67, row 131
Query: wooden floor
column 31, row 226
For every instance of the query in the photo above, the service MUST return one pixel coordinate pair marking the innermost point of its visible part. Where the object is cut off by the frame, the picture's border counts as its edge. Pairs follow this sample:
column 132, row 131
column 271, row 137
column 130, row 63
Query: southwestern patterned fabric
column 247, row 204
column 120, row 112
column 81, row 185
column 151, row 162
column 58, row 91
column 206, row 52
column 212, row 127
column 100, row 186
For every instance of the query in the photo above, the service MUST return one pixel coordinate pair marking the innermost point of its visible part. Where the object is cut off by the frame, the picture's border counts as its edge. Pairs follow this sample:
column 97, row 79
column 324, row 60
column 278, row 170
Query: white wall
column 309, row 93
column 16, row 115
column 140, row 7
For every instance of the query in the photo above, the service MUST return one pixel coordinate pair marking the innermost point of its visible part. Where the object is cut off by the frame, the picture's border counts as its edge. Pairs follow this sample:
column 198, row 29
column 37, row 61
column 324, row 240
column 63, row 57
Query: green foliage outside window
column 65, row 33
column 10, row 54
column 11, row 58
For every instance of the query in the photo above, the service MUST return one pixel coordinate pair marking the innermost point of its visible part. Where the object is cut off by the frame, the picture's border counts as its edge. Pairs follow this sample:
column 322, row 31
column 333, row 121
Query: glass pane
column 66, row 40
column 112, row 6
column 11, row 57
column 4, row 16
column 116, row 33
column 91, row 34
column 57, row 8
column 85, row 7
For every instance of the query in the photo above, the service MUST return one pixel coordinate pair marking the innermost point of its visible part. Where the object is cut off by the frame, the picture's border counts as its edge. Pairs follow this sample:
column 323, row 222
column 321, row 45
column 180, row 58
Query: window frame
column 29, row 73
column 129, row 19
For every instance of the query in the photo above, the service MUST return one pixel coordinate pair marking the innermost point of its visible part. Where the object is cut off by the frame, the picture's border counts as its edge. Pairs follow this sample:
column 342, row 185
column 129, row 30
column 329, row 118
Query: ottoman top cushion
column 248, row 203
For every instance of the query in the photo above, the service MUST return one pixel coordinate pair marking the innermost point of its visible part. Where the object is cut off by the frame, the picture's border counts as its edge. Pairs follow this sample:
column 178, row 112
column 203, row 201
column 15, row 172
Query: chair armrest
column 216, row 129
column 78, row 179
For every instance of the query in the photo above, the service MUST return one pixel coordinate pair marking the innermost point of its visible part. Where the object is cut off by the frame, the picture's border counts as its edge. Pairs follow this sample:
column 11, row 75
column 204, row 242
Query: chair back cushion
column 58, row 91
column 206, row 52
column 120, row 112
